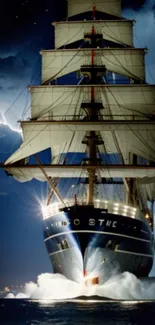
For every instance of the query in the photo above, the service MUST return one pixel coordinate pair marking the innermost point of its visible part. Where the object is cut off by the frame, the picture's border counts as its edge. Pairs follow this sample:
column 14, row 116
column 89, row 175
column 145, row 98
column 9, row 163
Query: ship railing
column 116, row 208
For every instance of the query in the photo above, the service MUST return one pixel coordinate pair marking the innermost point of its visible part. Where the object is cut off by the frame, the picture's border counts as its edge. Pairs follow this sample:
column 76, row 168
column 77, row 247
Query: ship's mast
column 92, row 139
column 92, row 136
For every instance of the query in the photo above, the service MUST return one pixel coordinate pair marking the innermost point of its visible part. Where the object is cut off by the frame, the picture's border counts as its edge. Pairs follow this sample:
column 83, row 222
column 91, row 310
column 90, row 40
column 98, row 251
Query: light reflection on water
column 77, row 312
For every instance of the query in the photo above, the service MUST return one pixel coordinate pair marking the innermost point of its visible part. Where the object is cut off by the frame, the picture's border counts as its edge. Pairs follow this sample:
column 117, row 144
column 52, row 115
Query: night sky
column 25, row 28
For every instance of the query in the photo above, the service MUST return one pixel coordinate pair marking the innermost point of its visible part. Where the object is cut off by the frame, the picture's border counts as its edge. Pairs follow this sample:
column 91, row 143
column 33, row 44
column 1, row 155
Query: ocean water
column 76, row 312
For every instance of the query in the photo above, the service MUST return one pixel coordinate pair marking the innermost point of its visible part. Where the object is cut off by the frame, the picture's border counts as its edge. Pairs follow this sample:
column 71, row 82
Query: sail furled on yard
column 117, row 31
column 27, row 173
column 128, row 62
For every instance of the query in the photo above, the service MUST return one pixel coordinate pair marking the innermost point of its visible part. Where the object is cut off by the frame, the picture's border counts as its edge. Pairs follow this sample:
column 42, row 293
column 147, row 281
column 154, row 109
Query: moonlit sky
column 25, row 29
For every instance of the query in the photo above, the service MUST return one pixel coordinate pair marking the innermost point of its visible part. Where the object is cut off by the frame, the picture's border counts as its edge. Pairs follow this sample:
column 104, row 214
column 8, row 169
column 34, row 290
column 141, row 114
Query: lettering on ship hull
column 91, row 222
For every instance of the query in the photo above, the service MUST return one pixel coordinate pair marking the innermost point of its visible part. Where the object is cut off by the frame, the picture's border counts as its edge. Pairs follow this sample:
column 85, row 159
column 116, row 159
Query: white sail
column 126, row 62
column 39, row 137
column 67, row 137
column 61, row 102
column 38, row 140
column 118, row 31
column 112, row 7
column 27, row 173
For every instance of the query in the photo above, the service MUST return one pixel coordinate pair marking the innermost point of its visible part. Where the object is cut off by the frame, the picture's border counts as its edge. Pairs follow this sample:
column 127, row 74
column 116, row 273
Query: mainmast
column 92, row 140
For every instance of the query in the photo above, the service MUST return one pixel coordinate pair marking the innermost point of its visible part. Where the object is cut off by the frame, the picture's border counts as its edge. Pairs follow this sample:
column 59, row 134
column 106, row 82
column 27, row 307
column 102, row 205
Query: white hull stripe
column 133, row 253
column 97, row 232
column 60, row 251
column 117, row 250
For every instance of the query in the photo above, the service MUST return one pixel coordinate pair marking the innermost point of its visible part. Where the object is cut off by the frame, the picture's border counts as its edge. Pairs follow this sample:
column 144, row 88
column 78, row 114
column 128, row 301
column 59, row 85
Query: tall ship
column 90, row 136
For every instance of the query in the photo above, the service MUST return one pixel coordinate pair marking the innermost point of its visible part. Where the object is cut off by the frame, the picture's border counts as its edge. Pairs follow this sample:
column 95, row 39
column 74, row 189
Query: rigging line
column 55, row 181
column 43, row 94
column 113, row 133
column 68, row 146
column 68, row 41
column 29, row 137
column 53, row 59
column 30, row 41
column 31, row 82
column 105, row 165
column 142, row 141
column 54, row 77
column 145, row 61
column 152, row 92
column 25, row 143
column 114, row 136
column 72, row 101
column 115, row 38
column 78, row 110
column 137, row 133
column 25, row 107
column 46, row 110
column 120, row 64
column 8, row 109
column 49, row 181
column 140, row 138
column 50, row 79
column 79, row 180
column 41, row 97
column 121, row 106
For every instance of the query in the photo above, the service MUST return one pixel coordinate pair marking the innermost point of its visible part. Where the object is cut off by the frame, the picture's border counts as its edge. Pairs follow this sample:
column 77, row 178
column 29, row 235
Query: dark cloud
column 134, row 4
column 13, row 66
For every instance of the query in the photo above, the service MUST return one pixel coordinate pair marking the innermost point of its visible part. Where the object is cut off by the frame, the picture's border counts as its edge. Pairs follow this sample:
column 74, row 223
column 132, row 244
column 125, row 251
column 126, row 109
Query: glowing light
column 147, row 216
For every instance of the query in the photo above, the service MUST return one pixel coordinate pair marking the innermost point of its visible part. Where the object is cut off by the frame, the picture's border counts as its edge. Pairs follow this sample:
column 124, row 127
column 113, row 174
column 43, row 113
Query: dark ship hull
column 83, row 241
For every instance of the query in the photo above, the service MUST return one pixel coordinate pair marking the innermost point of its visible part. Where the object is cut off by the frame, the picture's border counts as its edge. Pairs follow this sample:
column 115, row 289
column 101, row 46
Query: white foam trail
column 55, row 286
